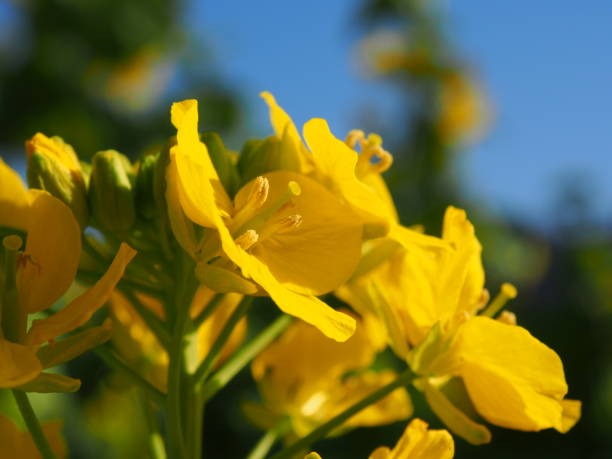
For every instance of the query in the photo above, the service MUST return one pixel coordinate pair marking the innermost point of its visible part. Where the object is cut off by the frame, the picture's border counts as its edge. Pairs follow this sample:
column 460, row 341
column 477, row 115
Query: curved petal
column 18, row 364
column 418, row 442
column 323, row 251
column 513, row 380
column 82, row 308
column 197, row 174
column 52, row 252
column 14, row 199
column 335, row 162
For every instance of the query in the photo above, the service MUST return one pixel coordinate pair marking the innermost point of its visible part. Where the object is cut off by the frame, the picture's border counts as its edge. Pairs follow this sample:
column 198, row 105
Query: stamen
column 507, row 317
column 281, row 225
column 283, row 202
column 354, row 136
column 247, row 239
column 506, row 293
column 258, row 194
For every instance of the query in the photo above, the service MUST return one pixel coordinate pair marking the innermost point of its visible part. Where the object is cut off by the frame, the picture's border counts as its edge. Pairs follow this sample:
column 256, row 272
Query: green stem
column 209, row 361
column 176, row 371
column 266, row 442
column 33, row 425
column 243, row 356
column 304, row 443
column 113, row 361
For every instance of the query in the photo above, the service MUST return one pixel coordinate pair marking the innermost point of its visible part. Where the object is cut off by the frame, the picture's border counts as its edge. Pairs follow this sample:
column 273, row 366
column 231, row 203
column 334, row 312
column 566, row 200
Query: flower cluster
column 308, row 222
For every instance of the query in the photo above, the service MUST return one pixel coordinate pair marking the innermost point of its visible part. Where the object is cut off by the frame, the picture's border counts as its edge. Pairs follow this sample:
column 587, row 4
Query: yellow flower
column 335, row 164
column 512, row 379
column 19, row 444
column 312, row 387
column 44, row 271
column 285, row 232
column 418, row 442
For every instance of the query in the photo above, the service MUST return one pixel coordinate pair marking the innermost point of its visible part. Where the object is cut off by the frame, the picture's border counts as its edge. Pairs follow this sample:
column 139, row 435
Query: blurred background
column 500, row 108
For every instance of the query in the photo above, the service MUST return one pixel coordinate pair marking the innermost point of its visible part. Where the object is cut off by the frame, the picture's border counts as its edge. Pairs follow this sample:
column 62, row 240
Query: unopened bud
column 54, row 167
column 145, row 179
column 111, row 194
column 258, row 157
column 224, row 161
column 223, row 281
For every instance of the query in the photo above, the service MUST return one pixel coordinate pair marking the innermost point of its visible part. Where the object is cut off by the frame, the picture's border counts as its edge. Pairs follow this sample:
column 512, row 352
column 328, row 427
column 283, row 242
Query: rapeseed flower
column 17, row 443
column 285, row 232
column 53, row 241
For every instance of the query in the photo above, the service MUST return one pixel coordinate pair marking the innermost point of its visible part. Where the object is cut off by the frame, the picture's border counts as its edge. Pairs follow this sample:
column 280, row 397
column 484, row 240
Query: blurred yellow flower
column 312, row 387
column 418, row 442
column 16, row 443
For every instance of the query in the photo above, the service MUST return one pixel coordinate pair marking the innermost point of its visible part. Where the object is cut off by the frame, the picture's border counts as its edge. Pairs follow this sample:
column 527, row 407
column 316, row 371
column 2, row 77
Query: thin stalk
column 113, row 361
column 208, row 310
column 243, row 356
column 209, row 361
column 155, row 440
column 33, row 425
column 304, row 443
column 267, row 441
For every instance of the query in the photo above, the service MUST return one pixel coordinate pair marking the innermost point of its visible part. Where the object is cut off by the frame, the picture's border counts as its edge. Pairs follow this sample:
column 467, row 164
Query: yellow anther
column 290, row 222
column 247, row 239
column 507, row 317
column 507, row 292
column 12, row 242
column 353, row 137
column 259, row 192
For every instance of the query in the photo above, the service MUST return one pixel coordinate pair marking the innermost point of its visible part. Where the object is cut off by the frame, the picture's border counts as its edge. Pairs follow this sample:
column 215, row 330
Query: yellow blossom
column 418, row 442
column 53, row 241
column 312, row 387
column 19, row 444
column 274, row 232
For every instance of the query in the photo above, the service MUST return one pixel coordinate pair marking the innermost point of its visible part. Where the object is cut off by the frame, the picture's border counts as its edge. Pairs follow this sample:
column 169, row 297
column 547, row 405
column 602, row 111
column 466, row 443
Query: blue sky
column 546, row 65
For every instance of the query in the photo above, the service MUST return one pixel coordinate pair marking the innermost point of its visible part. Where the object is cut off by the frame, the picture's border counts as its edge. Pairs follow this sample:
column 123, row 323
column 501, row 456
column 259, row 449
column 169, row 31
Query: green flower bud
column 53, row 166
column 259, row 157
column 145, row 179
column 223, row 160
column 111, row 194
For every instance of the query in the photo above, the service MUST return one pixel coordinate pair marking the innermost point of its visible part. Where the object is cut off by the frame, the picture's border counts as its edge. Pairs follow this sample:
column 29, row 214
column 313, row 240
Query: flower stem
column 243, row 356
column 33, row 425
column 262, row 447
column 211, row 358
column 403, row 379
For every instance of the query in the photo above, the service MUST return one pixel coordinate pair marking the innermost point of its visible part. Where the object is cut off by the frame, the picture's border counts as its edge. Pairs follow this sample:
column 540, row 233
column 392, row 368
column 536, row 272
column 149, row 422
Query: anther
column 247, row 239
column 354, row 136
column 259, row 192
column 290, row 222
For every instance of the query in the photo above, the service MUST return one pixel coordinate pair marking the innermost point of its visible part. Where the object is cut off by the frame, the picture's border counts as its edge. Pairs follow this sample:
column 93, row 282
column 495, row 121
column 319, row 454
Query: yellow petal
column 285, row 129
column 19, row 444
column 82, row 308
column 19, row 364
column 513, row 380
column 14, row 199
column 572, row 410
column 197, row 174
column 330, row 322
column 335, row 162
column 323, row 251
column 182, row 228
column 418, row 442
column 52, row 252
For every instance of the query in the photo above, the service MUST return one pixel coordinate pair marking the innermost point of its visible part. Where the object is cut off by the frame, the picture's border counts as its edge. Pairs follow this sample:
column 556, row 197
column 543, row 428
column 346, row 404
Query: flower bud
column 259, row 157
column 145, row 178
column 54, row 167
column 111, row 195
column 223, row 160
